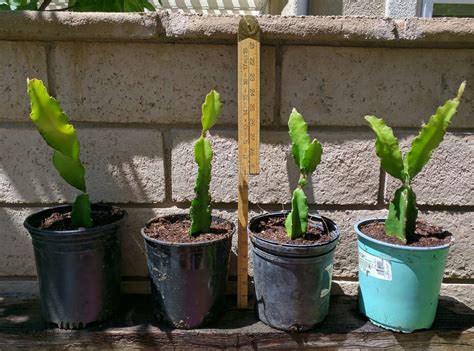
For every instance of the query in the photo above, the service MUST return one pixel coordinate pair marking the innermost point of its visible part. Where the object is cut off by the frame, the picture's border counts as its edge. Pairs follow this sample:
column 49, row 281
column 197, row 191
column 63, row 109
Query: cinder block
column 348, row 173
column 346, row 256
column 448, row 178
column 133, row 249
column 460, row 263
column 152, row 83
column 16, row 250
column 460, row 292
column 339, row 86
column 122, row 165
column 20, row 60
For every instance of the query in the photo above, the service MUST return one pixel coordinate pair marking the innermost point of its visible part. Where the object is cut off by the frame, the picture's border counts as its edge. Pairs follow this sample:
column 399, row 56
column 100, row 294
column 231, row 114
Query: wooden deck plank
column 21, row 326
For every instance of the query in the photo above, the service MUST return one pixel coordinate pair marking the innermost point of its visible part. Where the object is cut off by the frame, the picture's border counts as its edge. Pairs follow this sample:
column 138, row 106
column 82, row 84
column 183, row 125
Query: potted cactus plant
column 292, row 252
column 401, row 260
column 76, row 247
column 188, row 255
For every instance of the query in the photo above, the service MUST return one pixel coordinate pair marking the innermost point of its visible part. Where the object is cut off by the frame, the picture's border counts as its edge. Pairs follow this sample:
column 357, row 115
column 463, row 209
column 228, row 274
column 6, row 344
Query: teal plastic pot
column 399, row 286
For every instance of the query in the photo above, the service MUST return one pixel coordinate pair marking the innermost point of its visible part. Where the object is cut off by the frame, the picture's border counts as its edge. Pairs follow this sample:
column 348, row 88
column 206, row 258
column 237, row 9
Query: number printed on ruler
column 244, row 98
column 254, row 105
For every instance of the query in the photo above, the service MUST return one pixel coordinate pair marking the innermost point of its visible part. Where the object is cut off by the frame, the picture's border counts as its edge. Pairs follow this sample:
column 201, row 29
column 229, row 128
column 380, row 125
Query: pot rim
column 72, row 232
column 285, row 212
column 192, row 244
column 383, row 243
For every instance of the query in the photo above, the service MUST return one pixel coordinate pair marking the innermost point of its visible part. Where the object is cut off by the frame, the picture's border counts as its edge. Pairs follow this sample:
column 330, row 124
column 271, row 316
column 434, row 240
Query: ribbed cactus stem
column 307, row 155
column 200, row 211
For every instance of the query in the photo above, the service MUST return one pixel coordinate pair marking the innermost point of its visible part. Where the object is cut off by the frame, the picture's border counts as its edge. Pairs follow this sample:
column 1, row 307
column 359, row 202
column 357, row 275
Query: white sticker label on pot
column 327, row 280
column 374, row 266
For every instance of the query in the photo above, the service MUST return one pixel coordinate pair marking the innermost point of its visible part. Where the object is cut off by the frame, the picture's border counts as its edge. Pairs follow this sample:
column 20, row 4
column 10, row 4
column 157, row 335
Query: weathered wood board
column 21, row 326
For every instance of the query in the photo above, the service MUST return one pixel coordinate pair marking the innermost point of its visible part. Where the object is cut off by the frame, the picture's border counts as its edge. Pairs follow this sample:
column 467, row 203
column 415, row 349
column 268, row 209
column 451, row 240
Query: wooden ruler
column 249, row 138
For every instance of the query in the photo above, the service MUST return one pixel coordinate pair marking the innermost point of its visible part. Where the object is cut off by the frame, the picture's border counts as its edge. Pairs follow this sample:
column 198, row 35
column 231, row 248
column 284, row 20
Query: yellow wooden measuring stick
column 249, row 138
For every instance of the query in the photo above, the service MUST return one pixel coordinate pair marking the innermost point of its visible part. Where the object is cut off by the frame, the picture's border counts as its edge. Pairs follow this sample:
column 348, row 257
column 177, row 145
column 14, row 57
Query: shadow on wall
column 326, row 7
column 349, row 172
column 125, row 165
column 16, row 251
column 122, row 166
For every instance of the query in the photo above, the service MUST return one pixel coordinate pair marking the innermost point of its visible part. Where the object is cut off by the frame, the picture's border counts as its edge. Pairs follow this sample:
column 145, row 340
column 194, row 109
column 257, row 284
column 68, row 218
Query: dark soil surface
column 426, row 235
column 62, row 221
column 176, row 230
column 273, row 228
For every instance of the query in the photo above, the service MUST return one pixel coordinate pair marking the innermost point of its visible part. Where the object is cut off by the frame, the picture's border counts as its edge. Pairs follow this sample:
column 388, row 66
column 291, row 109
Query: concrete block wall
column 135, row 98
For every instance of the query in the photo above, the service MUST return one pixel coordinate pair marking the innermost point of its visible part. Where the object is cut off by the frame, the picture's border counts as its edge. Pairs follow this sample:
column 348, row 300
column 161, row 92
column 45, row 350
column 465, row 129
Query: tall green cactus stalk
column 403, row 212
column 59, row 134
column 200, row 211
column 307, row 155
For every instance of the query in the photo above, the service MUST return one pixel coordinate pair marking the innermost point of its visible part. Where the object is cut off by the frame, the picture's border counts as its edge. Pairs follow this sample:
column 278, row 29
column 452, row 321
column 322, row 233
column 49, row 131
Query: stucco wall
column 133, row 85
column 347, row 7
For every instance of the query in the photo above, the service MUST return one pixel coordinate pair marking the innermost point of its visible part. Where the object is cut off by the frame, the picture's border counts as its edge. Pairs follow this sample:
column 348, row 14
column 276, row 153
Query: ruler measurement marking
column 254, row 106
column 248, row 138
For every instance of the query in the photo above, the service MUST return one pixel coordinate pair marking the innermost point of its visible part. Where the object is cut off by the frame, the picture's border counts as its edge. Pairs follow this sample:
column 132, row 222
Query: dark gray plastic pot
column 188, row 280
column 78, row 270
column 292, row 282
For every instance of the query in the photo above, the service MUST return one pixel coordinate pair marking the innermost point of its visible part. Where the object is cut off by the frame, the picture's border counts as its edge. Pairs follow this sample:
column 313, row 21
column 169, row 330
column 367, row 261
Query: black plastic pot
column 292, row 282
column 188, row 280
column 78, row 270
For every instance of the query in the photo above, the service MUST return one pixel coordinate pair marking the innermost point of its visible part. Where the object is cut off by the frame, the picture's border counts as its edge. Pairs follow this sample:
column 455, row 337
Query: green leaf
column 81, row 212
column 402, row 214
column 18, row 5
column 54, row 127
column 296, row 222
column 95, row 6
column 137, row 5
column 111, row 5
column 387, row 148
column 59, row 134
column 307, row 156
column 200, row 211
column 431, row 135
column 28, row 5
column 211, row 110
column 51, row 121
column 300, row 141
column 312, row 157
column 71, row 170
